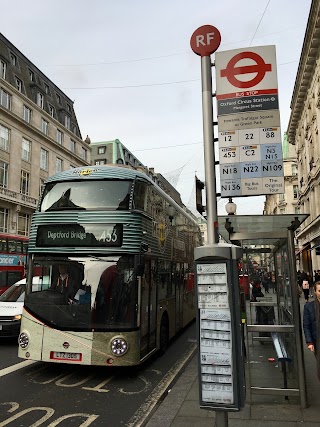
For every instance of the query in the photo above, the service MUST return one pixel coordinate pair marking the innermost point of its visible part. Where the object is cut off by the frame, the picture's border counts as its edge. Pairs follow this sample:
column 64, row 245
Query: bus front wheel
column 164, row 334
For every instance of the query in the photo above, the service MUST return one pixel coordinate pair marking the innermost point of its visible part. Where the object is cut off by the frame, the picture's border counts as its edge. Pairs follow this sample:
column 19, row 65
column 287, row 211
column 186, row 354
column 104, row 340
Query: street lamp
column 231, row 207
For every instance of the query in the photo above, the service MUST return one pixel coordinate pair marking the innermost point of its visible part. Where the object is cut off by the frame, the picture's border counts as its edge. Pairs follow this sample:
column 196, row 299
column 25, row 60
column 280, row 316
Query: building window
column 41, row 187
column 44, row 126
column 4, row 220
column 13, row 59
column 25, row 150
column 24, row 183
column 51, row 111
column 59, row 99
column 31, row 75
column 101, row 150
column 67, row 121
column 101, row 162
column 72, row 146
column 294, row 169
column 26, row 114
column 46, row 88
column 4, row 138
column 69, row 108
column 58, row 165
column 18, row 84
column 83, row 153
column 4, row 168
column 23, row 224
column 281, row 197
column 5, row 98
column 44, row 159
column 40, row 99
column 3, row 69
column 295, row 191
column 59, row 137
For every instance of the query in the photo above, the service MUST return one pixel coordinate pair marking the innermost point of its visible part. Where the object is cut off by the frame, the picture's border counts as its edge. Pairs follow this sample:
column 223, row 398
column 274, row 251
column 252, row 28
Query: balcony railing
column 17, row 198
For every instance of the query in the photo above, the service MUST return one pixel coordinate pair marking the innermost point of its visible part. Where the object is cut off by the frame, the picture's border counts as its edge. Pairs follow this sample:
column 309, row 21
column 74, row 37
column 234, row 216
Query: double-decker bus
column 13, row 250
column 116, row 254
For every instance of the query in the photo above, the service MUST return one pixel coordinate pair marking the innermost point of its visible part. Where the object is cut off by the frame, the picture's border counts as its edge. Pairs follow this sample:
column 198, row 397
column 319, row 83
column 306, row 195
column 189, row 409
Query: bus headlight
column 119, row 346
column 17, row 317
column 23, row 340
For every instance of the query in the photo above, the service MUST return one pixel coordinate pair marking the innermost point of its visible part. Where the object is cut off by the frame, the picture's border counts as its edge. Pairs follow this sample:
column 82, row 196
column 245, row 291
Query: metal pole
column 221, row 419
column 209, row 160
column 297, row 320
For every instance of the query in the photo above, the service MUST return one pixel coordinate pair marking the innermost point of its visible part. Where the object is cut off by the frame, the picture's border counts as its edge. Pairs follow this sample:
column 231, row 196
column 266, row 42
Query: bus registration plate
column 62, row 355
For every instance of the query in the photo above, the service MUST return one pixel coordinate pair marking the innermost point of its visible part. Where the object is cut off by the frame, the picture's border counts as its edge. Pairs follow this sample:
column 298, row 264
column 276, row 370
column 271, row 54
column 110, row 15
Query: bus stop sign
column 205, row 40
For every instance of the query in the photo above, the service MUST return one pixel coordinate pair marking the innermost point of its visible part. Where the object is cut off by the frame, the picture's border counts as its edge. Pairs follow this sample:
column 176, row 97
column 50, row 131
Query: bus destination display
column 80, row 235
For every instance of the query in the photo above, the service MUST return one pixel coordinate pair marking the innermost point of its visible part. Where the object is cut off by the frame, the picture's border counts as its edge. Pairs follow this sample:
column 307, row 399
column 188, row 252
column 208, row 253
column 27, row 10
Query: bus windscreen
column 83, row 195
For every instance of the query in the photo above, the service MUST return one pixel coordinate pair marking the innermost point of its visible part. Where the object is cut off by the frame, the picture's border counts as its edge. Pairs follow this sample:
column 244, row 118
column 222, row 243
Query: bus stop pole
column 209, row 155
column 210, row 175
column 297, row 320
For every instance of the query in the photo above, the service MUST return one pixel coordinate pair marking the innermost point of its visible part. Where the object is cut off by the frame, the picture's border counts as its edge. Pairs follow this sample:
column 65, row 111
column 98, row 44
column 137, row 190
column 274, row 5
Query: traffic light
column 199, row 188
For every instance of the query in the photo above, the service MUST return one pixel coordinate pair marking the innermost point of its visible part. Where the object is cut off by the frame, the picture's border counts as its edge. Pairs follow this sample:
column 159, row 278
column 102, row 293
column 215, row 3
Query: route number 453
column 109, row 235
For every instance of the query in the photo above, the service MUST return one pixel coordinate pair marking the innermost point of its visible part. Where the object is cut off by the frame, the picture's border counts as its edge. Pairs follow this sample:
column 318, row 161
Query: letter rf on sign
column 205, row 40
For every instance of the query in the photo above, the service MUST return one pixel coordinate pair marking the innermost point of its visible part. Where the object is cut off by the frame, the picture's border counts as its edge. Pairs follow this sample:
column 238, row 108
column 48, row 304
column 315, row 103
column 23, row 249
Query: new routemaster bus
column 116, row 255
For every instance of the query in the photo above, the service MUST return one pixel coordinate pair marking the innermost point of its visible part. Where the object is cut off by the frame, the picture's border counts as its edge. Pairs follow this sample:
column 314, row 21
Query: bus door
column 148, row 308
column 178, row 284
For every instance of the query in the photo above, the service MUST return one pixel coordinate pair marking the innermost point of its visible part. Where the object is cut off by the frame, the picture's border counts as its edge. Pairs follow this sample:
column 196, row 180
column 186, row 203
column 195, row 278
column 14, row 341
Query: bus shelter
column 272, row 323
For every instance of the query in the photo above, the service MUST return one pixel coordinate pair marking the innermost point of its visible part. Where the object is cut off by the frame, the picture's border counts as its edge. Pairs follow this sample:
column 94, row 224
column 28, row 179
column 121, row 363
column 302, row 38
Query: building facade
column 114, row 152
column 39, row 136
column 303, row 134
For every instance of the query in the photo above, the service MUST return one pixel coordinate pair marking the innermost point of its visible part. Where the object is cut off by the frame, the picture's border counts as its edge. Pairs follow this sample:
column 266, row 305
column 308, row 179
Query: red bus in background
column 13, row 251
column 244, row 285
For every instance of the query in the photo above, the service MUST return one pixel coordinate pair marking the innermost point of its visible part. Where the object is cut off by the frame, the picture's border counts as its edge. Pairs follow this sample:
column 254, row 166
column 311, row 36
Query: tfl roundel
column 246, row 69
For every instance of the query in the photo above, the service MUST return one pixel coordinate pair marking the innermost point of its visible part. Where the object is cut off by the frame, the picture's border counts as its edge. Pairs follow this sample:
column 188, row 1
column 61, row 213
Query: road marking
column 145, row 410
column 16, row 367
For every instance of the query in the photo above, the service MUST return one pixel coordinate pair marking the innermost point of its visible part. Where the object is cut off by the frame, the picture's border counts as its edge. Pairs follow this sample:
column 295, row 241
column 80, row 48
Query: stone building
column 303, row 133
column 39, row 136
column 114, row 152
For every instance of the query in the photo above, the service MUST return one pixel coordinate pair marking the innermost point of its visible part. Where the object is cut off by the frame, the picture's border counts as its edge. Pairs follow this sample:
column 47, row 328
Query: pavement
column 180, row 406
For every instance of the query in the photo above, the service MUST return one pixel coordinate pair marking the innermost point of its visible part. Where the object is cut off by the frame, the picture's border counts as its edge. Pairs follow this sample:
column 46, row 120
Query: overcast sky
column 130, row 70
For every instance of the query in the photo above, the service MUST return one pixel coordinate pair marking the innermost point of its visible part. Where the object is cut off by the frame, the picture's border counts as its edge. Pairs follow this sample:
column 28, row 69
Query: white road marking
column 16, row 367
column 144, row 411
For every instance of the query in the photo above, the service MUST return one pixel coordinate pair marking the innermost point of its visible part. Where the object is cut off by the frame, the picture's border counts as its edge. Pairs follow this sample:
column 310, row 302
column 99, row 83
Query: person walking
column 311, row 325
column 305, row 285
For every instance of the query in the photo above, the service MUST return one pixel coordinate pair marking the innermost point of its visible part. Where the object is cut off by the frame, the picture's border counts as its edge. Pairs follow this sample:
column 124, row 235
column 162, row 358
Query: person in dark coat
column 311, row 325
column 256, row 290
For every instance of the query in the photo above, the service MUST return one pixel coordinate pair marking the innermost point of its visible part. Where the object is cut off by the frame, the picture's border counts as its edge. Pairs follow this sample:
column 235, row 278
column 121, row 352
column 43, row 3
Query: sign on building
column 250, row 148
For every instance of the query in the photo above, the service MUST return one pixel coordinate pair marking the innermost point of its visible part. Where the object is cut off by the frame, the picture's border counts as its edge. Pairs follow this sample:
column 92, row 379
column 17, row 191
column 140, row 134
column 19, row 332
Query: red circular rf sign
column 205, row 40
column 230, row 72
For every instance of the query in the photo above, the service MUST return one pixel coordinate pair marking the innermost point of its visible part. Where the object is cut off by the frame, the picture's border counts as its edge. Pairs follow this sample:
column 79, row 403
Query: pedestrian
column 311, row 325
column 265, row 283
column 305, row 284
